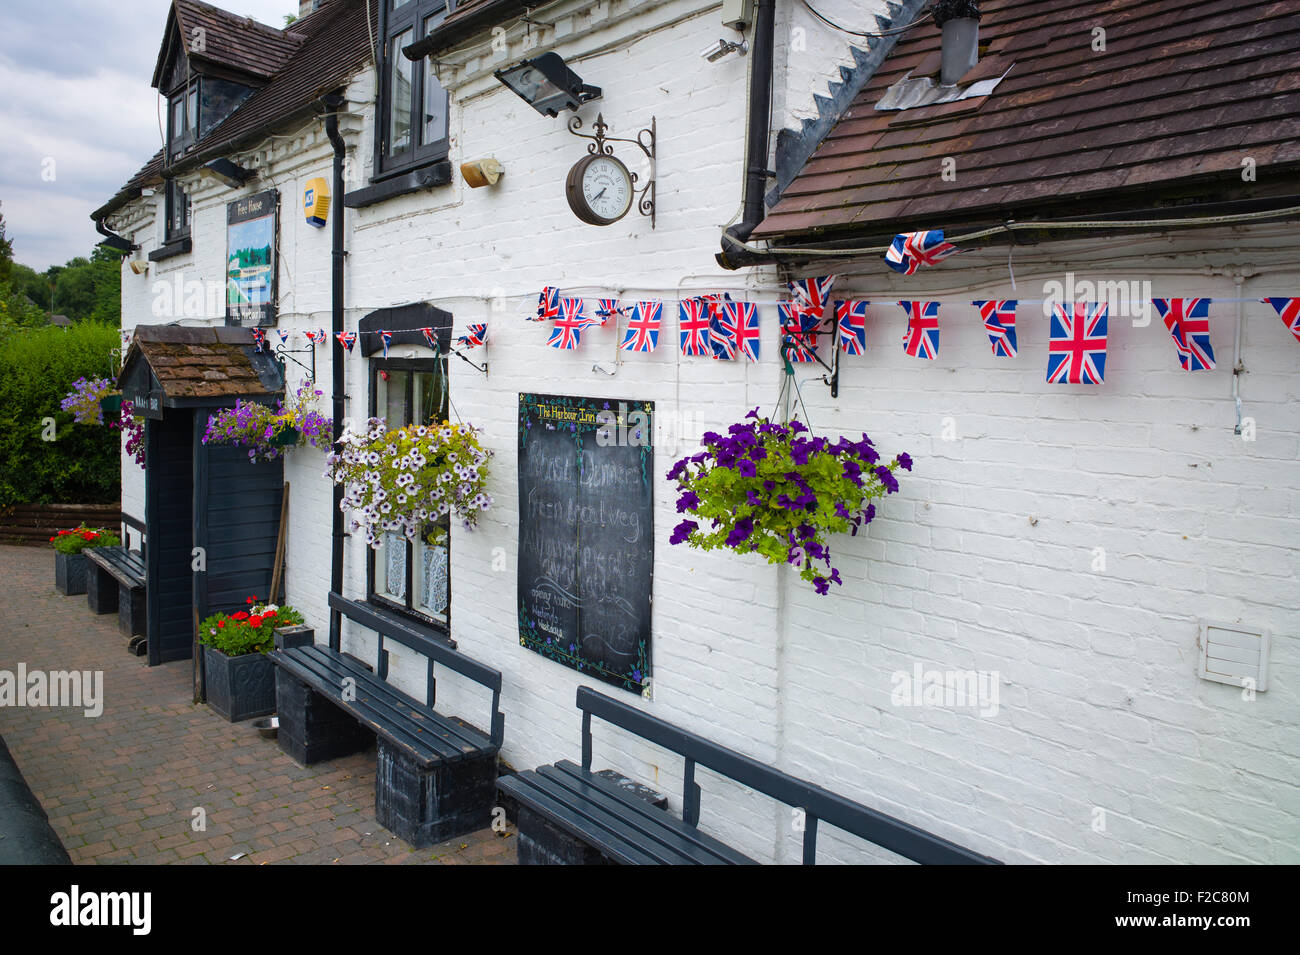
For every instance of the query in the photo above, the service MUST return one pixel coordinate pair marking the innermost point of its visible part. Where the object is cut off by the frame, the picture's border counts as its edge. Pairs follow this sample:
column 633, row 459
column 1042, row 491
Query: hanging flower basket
column 86, row 400
column 776, row 491
column 399, row 480
column 266, row 431
column 111, row 406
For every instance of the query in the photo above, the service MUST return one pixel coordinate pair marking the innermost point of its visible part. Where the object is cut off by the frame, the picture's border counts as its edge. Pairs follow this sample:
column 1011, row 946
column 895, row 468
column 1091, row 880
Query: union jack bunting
column 316, row 337
column 693, row 328
column 548, row 305
column 386, row 337
column 811, row 295
column 1000, row 322
column 722, row 343
column 1077, row 350
column 921, row 340
column 259, row 340
column 606, row 308
column 912, row 249
column 796, row 343
column 643, row 327
column 851, row 316
column 739, row 324
column 347, row 340
column 474, row 336
column 568, row 327
column 284, row 336
column 429, row 339
column 1288, row 309
column 1188, row 321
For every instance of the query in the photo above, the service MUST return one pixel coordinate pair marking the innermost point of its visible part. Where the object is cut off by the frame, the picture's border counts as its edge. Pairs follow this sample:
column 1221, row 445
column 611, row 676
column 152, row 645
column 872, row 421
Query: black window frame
column 179, row 143
column 412, row 15
column 173, row 194
column 430, row 365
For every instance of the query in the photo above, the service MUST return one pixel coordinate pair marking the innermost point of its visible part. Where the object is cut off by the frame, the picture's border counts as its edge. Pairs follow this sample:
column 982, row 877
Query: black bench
column 570, row 815
column 435, row 775
column 117, row 582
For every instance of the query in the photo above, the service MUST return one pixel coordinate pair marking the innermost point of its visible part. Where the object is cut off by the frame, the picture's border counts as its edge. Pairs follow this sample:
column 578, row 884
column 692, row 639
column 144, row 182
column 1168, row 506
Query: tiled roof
column 240, row 43
column 1184, row 91
column 469, row 17
column 200, row 362
column 335, row 44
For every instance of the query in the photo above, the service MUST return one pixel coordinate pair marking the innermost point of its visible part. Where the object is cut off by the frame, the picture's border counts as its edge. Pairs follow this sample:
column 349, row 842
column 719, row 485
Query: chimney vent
column 960, row 22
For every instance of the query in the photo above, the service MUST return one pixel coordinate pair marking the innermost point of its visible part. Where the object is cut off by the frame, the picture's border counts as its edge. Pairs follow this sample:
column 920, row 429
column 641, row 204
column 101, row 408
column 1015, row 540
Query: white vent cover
column 1233, row 654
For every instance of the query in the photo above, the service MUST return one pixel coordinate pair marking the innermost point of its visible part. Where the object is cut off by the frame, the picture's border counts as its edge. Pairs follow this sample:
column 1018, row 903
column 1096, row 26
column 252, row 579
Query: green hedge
column 37, row 368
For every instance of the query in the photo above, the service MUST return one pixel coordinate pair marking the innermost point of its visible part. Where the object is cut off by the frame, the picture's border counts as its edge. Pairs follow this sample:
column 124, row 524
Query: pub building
column 1050, row 622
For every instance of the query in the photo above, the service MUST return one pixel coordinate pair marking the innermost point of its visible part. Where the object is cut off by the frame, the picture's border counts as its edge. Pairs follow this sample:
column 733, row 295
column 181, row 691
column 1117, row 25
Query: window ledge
column 171, row 248
column 424, row 628
column 426, row 177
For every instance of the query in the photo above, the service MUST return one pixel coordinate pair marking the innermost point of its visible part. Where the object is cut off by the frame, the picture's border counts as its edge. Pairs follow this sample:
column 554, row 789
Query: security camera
column 716, row 51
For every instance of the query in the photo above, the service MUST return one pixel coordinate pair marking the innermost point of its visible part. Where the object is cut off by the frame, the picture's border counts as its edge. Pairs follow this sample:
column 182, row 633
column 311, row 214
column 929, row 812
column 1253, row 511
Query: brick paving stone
column 121, row 788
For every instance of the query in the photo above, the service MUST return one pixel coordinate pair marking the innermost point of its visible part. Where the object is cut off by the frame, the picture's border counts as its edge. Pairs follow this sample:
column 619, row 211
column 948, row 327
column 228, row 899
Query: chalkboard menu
column 586, row 534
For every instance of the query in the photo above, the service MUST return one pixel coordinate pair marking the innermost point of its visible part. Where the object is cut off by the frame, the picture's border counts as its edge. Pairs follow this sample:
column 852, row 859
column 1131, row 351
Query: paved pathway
column 124, row 787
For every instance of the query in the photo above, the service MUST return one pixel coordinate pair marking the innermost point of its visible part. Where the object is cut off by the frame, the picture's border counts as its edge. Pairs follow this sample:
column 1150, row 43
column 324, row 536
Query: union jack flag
column 643, row 327
column 284, row 336
column 548, row 305
column 1077, row 350
column 1000, row 323
column 568, row 327
column 912, row 249
column 386, row 337
column 1288, row 309
column 921, row 340
column 720, row 340
column 259, row 340
column 316, row 337
column 693, row 328
column 796, row 342
column 428, row 337
column 474, row 336
column 1188, row 321
column 851, row 316
column 811, row 295
column 606, row 308
column 347, row 340
column 739, row 324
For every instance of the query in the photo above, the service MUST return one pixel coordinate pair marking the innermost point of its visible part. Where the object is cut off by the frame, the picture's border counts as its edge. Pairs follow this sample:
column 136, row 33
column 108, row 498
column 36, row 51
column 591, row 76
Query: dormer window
column 412, row 103
column 183, row 124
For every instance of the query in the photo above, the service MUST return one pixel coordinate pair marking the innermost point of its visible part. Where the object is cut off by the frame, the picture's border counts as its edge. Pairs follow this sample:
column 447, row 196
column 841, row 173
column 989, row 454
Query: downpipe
column 333, row 103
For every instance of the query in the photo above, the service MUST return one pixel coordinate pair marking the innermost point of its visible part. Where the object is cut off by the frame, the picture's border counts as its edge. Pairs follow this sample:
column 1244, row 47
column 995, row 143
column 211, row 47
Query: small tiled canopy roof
column 1185, row 91
column 200, row 365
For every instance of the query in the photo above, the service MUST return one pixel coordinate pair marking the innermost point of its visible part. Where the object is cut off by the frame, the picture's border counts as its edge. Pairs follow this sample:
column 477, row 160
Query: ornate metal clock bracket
column 645, row 140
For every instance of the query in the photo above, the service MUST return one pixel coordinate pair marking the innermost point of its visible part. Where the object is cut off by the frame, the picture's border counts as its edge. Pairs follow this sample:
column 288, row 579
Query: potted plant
column 399, row 480
column 777, row 491
column 240, row 680
column 70, row 562
column 266, row 430
column 133, row 428
column 86, row 400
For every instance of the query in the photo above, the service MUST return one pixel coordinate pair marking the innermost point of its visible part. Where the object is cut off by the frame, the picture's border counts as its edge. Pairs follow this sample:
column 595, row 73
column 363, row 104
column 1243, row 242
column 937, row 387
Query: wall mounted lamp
column 547, row 85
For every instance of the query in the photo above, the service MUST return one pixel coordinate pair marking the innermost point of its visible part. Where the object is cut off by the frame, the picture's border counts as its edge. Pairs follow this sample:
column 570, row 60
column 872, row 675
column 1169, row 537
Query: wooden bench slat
column 641, row 813
column 526, row 790
column 463, row 738
column 652, row 822
column 427, row 736
column 124, row 567
column 382, row 719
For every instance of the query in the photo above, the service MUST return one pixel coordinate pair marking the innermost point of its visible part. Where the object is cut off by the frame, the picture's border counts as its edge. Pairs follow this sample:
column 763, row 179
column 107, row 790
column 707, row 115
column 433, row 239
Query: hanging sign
column 251, row 228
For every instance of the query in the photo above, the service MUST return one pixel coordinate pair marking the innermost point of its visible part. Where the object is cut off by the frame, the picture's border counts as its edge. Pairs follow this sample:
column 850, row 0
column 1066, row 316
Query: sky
column 78, row 117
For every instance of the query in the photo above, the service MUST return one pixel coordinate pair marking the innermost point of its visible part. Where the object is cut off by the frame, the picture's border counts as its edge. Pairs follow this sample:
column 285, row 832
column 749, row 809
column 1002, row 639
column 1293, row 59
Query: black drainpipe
column 333, row 103
column 757, row 138
column 113, row 240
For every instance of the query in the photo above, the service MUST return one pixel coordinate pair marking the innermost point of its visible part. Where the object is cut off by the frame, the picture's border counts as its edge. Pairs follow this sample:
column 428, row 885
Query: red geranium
column 242, row 615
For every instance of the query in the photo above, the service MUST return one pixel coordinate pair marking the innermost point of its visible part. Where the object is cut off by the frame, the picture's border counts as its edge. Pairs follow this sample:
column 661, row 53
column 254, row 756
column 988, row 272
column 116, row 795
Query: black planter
column 239, row 688
column 70, row 573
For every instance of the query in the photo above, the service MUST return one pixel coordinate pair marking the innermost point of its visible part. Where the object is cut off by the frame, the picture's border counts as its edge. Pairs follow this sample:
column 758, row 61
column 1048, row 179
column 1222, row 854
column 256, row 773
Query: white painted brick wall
column 1099, row 703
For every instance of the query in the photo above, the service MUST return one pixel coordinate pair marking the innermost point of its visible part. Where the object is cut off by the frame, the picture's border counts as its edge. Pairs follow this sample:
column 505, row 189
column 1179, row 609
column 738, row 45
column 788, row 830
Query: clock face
column 600, row 190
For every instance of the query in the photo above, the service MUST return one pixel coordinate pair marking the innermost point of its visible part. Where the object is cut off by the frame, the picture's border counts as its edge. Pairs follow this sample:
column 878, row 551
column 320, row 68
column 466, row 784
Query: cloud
column 78, row 104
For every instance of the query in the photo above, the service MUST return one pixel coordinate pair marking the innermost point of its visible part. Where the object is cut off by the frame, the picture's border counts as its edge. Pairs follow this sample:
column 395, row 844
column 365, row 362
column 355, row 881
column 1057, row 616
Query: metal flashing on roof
column 913, row 91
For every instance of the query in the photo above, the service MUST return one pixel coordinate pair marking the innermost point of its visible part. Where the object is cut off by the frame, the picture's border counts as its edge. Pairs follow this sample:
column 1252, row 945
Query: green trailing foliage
column 248, row 631
column 82, row 464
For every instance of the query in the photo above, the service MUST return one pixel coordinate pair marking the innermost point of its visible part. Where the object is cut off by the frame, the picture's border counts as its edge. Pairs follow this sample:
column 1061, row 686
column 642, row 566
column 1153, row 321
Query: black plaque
column 586, row 534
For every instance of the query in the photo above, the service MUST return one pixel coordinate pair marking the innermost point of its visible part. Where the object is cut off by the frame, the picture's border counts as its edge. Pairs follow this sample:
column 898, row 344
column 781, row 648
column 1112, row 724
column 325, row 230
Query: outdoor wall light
column 481, row 172
column 716, row 51
column 227, row 172
column 139, row 266
column 547, row 85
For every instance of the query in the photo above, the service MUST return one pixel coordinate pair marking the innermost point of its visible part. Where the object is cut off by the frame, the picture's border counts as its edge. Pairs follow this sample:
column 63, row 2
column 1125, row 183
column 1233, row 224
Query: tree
column 6, row 252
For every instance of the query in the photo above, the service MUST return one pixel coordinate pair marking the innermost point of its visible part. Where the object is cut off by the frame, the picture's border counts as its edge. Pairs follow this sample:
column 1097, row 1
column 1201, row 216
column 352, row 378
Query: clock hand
column 599, row 194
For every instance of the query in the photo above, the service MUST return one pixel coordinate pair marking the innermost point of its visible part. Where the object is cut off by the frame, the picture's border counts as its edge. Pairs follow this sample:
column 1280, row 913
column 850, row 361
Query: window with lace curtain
column 412, row 576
